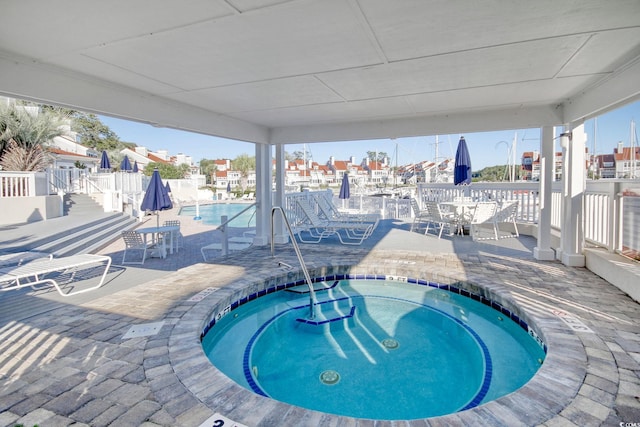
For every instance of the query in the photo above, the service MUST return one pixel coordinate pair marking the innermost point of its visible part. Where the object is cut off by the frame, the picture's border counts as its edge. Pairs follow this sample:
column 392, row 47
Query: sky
column 486, row 148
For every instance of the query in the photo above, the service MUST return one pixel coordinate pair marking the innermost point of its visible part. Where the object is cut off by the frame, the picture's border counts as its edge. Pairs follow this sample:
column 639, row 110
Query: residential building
column 143, row 156
column 627, row 161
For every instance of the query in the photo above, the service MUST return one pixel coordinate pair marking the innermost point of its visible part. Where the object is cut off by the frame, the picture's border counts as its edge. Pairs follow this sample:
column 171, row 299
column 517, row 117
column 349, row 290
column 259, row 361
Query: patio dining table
column 463, row 212
column 159, row 237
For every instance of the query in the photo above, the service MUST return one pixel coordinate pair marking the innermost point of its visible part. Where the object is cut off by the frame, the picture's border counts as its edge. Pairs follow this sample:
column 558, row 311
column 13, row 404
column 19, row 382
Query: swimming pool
column 211, row 213
column 378, row 349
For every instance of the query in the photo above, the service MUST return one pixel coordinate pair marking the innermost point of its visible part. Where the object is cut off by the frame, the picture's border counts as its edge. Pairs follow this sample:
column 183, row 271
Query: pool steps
column 327, row 312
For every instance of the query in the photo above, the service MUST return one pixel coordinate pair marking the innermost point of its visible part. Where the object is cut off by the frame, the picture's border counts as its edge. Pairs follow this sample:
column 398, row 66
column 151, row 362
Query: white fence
column 527, row 195
column 611, row 208
column 23, row 184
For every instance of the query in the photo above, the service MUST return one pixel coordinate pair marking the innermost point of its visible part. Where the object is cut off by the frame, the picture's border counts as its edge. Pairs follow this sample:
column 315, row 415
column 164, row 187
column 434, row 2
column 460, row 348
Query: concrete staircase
column 84, row 228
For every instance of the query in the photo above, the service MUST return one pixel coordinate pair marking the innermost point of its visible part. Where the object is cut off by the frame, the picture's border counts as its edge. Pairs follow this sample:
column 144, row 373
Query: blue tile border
column 337, row 277
column 454, row 288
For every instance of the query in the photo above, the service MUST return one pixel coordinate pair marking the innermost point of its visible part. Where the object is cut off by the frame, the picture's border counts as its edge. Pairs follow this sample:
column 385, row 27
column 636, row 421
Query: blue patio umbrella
column 156, row 198
column 462, row 168
column 105, row 164
column 135, row 167
column 126, row 165
column 228, row 187
column 167, row 187
column 345, row 193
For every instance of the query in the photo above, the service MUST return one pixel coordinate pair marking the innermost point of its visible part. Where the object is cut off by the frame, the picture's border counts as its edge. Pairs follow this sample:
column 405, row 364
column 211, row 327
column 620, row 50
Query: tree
column 490, row 173
column 243, row 164
column 25, row 133
column 208, row 168
column 376, row 156
column 168, row 171
column 93, row 133
column 19, row 158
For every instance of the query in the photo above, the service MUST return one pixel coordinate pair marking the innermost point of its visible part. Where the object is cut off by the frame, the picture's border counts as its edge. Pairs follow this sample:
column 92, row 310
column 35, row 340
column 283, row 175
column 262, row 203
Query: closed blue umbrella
column 345, row 193
column 156, row 198
column 126, row 165
column 135, row 167
column 462, row 168
column 228, row 187
column 167, row 187
column 105, row 164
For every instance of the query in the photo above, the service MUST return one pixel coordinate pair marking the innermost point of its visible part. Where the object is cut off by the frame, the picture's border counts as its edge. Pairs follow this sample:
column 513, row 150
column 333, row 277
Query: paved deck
column 68, row 362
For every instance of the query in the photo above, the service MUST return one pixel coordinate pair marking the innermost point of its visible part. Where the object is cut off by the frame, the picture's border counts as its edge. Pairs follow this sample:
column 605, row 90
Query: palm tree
column 24, row 135
column 243, row 164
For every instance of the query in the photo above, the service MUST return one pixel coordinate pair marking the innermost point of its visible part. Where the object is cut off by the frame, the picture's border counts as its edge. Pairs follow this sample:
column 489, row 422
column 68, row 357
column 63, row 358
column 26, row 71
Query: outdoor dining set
column 156, row 241
column 482, row 218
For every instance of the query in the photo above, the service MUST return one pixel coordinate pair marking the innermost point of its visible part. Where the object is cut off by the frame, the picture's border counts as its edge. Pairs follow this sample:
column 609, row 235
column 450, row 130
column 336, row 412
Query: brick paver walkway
column 73, row 366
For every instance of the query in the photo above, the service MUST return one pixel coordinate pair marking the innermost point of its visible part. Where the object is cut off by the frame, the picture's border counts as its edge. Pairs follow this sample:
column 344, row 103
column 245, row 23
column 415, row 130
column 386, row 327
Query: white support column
column 574, row 176
column 280, row 232
column 263, row 194
column 543, row 250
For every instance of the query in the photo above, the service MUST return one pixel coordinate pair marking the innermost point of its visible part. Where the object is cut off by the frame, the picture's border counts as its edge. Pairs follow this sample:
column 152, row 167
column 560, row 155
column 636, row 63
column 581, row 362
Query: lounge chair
column 8, row 259
column 507, row 213
column 179, row 238
column 318, row 229
column 484, row 214
column 330, row 212
column 31, row 273
column 420, row 216
column 133, row 241
column 240, row 244
column 439, row 217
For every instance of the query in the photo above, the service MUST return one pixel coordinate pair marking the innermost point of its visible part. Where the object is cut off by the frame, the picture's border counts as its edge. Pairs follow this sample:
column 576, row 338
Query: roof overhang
column 274, row 71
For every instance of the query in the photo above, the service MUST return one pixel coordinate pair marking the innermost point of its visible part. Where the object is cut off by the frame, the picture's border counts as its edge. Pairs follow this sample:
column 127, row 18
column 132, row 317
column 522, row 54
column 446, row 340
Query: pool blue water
column 453, row 353
column 211, row 213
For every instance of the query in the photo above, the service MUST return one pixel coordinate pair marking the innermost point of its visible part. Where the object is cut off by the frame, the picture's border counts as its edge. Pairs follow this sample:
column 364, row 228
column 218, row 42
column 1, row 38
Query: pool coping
column 552, row 388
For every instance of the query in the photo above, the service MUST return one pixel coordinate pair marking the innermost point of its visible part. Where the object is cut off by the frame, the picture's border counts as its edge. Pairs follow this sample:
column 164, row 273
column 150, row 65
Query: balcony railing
column 611, row 208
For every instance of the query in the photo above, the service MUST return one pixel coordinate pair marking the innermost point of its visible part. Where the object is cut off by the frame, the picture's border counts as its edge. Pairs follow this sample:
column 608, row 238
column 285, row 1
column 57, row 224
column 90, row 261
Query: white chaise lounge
column 31, row 273
column 8, row 259
column 355, row 232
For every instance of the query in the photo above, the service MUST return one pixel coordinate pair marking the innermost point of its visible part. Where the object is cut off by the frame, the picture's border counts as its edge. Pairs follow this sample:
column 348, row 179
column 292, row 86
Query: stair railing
column 224, row 221
column 312, row 293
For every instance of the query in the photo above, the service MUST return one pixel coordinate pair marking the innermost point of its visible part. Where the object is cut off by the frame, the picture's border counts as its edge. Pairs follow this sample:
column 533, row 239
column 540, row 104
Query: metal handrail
column 312, row 293
column 93, row 185
column 57, row 183
column 221, row 226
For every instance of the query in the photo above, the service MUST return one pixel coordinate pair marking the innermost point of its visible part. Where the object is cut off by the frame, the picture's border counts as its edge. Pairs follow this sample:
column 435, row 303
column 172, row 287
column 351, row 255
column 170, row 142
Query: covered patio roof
column 274, row 71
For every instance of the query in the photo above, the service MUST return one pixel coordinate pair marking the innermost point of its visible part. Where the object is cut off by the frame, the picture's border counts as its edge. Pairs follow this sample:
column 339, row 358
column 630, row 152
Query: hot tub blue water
column 397, row 351
column 211, row 213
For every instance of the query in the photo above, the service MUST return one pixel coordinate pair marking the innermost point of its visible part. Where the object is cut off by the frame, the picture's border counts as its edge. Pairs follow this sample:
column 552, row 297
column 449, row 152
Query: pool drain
column 390, row 343
column 329, row 377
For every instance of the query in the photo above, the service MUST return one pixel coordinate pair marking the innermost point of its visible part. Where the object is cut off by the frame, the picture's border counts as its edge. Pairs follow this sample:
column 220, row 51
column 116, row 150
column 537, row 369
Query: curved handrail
column 221, row 226
column 312, row 293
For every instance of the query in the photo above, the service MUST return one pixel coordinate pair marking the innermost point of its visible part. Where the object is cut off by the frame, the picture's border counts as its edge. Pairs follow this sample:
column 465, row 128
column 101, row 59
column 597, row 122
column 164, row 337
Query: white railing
column 612, row 214
column 23, row 184
column 527, row 195
column 630, row 241
column 611, row 211
column 127, row 183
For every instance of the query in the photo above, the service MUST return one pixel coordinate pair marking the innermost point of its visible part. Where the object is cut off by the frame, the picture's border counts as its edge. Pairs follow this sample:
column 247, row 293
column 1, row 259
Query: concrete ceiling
column 274, row 71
